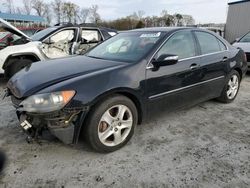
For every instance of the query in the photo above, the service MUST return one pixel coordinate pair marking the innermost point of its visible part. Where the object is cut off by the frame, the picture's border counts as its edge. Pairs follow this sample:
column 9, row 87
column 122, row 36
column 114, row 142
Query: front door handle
column 194, row 66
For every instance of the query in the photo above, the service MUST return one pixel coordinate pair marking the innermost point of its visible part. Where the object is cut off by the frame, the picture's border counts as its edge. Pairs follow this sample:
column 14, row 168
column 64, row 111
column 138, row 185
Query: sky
column 203, row 11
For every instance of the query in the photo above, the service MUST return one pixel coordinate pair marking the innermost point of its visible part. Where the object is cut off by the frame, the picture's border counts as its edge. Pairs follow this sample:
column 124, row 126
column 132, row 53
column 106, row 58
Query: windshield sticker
column 151, row 35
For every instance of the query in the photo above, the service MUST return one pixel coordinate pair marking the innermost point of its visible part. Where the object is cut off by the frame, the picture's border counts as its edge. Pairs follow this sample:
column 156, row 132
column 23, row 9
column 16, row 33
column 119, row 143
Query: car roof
column 83, row 25
column 161, row 29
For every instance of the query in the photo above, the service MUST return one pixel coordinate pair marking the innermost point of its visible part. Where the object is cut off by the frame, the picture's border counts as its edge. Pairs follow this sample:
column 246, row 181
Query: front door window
column 60, row 44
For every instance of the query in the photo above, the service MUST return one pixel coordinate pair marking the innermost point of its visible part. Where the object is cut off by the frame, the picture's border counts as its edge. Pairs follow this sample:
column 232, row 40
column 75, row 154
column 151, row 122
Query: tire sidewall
column 94, row 119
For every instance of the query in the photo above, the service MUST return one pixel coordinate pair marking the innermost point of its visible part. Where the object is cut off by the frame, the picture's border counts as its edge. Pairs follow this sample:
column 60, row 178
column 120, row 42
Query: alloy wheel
column 115, row 125
column 233, row 87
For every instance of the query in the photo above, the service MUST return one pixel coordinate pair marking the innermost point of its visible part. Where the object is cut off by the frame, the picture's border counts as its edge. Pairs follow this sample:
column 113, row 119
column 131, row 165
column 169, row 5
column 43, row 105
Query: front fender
column 31, row 48
column 91, row 88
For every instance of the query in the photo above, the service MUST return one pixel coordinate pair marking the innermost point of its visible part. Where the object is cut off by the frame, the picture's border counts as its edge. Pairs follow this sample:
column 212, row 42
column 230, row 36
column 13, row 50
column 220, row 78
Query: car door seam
column 186, row 87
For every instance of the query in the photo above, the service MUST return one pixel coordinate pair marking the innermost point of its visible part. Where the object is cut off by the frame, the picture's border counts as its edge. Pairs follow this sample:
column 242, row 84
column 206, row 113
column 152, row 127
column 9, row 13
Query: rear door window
column 209, row 43
column 91, row 35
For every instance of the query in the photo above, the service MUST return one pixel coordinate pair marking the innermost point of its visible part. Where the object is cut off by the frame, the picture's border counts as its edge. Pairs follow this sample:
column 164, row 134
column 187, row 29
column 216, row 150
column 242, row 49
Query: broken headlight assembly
column 48, row 102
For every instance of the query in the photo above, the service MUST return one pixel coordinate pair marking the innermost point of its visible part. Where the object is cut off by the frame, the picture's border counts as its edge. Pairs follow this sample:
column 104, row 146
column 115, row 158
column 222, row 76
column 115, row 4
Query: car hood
column 8, row 27
column 243, row 45
column 46, row 73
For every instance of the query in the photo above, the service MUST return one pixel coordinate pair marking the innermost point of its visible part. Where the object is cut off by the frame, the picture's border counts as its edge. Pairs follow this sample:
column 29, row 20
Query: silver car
column 244, row 44
column 58, row 41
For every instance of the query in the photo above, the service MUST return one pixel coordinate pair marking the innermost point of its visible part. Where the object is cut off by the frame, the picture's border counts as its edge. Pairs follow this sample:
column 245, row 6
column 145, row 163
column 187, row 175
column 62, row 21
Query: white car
column 54, row 42
column 244, row 44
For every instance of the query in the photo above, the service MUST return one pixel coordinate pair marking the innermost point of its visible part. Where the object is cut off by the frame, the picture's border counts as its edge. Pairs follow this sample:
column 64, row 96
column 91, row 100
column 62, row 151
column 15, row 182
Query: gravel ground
column 204, row 146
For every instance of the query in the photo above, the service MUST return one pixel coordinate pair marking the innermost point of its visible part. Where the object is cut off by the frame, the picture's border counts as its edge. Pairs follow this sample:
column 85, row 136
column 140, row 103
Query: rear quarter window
column 209, row 43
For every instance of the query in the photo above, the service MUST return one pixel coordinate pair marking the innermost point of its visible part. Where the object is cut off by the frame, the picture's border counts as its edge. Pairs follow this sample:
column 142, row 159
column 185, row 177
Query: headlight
column 47, row 102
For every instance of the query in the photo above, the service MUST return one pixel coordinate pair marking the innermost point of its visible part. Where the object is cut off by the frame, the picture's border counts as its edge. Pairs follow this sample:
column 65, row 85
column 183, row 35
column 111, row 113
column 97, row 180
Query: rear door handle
column 225, row 59
column 194, row 66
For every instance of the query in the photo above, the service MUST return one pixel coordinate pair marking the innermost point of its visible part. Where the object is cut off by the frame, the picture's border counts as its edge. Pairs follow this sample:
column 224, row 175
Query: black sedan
column 105, row 93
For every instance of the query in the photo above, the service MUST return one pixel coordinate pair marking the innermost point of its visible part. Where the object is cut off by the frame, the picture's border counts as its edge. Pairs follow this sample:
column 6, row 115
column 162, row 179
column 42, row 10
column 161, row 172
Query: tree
column 140, row 14
column 8, row 4
column 70, row 12
column 178, row 19
column 27, row 6
column 42, row 9
column 39, row 7
column 57, row 7
column 140, row 24
column 136, row 20
column 26, row 9
column 94, row 16
column 188, row 20
column 169, row 20
column 47, row 14
column 83, row 15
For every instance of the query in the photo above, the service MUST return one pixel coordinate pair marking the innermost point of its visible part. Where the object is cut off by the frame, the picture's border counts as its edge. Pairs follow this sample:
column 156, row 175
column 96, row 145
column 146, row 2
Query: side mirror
column 165, row 60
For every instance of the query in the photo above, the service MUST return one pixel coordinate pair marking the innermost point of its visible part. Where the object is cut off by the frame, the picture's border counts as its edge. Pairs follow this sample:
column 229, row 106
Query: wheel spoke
column 229, row 92
column 117, row 137
column 230, row 83
column 106, row 134
column 235, row 79
column 121, row 111
column 126, row 124
column 107, row 118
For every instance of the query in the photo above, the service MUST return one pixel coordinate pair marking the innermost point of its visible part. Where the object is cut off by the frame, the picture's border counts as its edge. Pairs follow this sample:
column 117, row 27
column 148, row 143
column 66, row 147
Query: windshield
column 246, row 38
column 41, row 34
column 8, row 38
column 126, row 47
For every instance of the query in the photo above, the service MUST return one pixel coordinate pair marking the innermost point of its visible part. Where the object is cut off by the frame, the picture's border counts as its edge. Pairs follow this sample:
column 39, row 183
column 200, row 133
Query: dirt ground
column 205, row 146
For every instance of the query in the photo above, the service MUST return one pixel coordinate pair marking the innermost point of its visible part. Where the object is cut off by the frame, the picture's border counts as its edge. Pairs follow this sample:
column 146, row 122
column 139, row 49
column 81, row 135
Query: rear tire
column 110, row 124
column 231, row 88
column 17, row 65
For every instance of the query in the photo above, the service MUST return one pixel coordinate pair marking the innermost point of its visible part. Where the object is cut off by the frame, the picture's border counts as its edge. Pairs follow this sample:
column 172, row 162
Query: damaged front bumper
column 64, row 124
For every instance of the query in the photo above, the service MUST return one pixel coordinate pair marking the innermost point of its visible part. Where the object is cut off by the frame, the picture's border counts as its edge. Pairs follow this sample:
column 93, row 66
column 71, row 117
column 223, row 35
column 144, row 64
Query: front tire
column 111, row 123
column 231, row 87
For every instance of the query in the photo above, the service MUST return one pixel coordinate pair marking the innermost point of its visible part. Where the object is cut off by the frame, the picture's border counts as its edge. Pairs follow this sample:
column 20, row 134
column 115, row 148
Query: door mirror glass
column 165, row 60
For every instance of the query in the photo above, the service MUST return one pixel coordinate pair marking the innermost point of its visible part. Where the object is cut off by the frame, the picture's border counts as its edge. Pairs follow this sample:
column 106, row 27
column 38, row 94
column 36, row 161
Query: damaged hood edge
column 7, row 26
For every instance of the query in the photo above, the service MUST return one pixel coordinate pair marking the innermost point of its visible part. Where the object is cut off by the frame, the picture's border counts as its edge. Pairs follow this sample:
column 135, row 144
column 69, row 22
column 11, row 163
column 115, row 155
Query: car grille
column 248, row 57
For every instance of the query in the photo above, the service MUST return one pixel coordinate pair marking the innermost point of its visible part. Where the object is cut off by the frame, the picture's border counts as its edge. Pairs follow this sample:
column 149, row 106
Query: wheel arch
column 129, row 93
column 31, row 56
column 239, row 71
